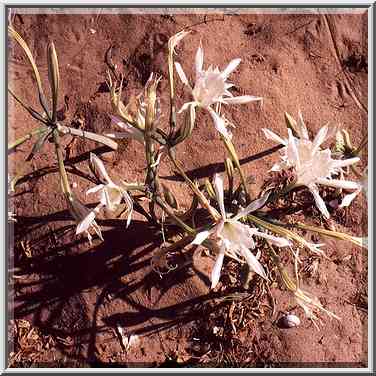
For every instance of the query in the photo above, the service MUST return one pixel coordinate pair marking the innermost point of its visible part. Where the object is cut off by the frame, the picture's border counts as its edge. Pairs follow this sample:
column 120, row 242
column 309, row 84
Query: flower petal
column 175, row 39
column 97, row 229
column 319, row 139
column 336, row 183
column 241, row 99
column 345, row 162
column 274, row 137
column 254, row 205
column 276, row 167
column 182, row 75
column 199, row 61
column 201, row 237
column 347, row 200
column 129, row 203
column 294, row 148
column 95, row 189
column 218, row 186
column 106, row 200
column 99, row 164
column 219, row 124
column 85, row 223
column 186, row 105
column 303, row 132
column 278, row 241
column 216, row 271
column 253, row 263
column 319, row 201
column 230, row 68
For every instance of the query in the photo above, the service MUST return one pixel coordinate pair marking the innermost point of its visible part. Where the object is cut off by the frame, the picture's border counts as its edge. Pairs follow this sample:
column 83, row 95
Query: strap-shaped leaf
column 53, row 77
column 89, row 135
column 25, row 47
column 36, row 115
column 28, row 136
column 39, row 144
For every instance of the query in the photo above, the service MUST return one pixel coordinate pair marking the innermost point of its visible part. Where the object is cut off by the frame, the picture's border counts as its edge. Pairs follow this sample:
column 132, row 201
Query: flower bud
column 291, row 123
column 169, row 197
column 53, row 77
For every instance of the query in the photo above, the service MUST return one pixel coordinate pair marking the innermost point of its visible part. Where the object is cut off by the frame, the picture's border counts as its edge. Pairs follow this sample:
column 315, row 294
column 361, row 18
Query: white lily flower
column 234, row 238
column 313, row 166
column 129, row 131
column 84, row 217
column 211, row 85
column 111, row 194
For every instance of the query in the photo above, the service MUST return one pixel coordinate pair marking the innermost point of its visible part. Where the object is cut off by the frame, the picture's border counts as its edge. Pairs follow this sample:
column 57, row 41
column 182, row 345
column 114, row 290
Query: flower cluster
column 237, row 223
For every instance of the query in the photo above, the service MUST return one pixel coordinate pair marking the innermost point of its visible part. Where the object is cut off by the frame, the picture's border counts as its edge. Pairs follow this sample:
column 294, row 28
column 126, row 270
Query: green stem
column 333, row 234
column 290, row 285
column 63, row 173
column 172, row 92
column 234, row 157
column 204, row 202
column 25, row 138
column 175, row 218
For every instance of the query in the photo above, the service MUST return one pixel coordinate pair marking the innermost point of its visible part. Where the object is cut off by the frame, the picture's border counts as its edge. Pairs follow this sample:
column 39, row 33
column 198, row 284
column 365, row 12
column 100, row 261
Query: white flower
column 313, row 166
column 84, row 217
column 235, row 238
column 210, row 85
column 129, row 131
column 111, row 194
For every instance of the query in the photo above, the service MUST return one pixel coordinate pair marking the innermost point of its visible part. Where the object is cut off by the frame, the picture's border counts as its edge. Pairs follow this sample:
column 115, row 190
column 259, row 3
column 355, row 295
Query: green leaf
column 39, row 144
column 25, row 47
column 53, row 77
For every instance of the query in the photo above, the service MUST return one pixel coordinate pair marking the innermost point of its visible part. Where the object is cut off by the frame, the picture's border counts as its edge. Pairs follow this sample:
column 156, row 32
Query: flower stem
column 172, row 92
column 289, row 283
column 203, row 201
column 234, row 157
column 25, row 138
column 333, row 234
column 174, row 217
column 63, row 173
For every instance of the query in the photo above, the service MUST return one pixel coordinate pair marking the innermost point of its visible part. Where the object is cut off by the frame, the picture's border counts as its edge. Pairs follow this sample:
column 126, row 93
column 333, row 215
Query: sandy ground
column 74, row 295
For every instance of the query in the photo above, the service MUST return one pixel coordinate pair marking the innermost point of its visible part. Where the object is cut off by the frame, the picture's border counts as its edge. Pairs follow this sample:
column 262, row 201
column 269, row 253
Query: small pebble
column 288, row 321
